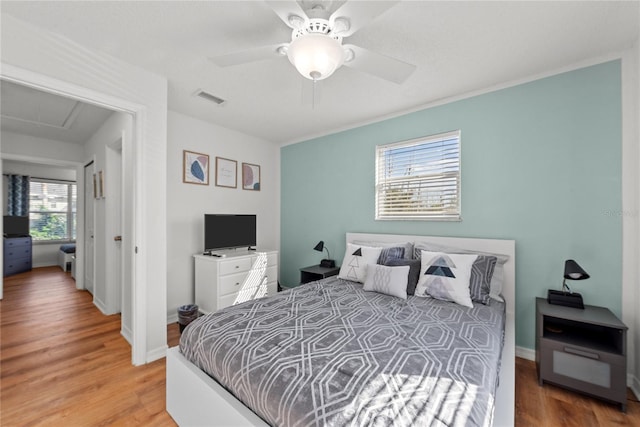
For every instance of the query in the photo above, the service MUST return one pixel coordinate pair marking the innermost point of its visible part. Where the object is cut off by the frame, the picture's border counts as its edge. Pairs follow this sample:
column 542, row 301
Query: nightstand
column 315, row 272
column 583, row 350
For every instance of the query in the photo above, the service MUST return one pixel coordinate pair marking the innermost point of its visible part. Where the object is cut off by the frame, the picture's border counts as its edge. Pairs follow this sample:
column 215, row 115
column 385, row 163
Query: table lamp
column 328, row 263
column 572, row 271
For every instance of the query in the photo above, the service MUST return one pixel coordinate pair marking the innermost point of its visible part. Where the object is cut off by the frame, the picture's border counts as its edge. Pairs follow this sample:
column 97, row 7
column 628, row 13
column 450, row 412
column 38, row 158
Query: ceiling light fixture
column 316, row 56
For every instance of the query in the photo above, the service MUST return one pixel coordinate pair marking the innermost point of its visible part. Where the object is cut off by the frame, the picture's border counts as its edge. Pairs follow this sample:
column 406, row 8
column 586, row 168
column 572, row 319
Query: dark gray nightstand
column 315, row 272
column 582, row 349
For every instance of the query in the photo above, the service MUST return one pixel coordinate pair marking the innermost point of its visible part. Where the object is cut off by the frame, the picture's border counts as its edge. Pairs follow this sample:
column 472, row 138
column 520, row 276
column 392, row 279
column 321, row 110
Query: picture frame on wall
column 195, row 168
column 250, row 177
column 226, row 172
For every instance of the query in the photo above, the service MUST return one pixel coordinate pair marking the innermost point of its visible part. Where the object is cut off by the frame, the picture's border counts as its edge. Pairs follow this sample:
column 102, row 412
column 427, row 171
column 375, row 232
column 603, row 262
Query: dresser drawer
column 17, row 242
column 14, row 252
column 247, row 294
column 16, row 266
column 272, row 274
column 232, row 283
column 235, row 266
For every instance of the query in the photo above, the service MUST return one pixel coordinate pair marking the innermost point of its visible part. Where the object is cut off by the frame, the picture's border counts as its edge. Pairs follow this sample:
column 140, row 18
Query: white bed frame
column 195, row 399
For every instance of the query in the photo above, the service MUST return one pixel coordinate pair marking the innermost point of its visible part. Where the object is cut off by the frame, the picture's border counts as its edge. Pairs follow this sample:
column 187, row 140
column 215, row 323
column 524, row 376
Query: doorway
column 86, row 264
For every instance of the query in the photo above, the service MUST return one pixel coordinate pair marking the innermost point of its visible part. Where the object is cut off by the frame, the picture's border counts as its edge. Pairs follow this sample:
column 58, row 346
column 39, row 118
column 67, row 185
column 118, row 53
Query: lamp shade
column 316, row 56
column 320, row 246
column 573, row 271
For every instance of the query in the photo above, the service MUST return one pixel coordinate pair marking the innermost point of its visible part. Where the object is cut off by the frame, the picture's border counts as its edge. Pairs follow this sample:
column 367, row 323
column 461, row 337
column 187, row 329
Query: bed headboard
column 496, row 246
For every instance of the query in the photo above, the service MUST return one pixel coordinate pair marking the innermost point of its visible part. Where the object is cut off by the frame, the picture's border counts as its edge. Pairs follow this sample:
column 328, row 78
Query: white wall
column 106, row 285
column 49, row 61
column 187, row 203
column 22, row 146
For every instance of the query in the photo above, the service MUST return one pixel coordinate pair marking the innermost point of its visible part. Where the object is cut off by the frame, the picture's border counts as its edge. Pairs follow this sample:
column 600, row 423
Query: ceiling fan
column 316, row 48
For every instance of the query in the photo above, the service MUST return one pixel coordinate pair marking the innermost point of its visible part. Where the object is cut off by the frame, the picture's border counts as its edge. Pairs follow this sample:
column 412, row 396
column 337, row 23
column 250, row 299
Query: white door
column 89, row 224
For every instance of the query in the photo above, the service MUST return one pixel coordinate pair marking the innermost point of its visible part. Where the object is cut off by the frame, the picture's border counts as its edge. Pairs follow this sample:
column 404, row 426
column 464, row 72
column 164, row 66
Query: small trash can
column 187, row 314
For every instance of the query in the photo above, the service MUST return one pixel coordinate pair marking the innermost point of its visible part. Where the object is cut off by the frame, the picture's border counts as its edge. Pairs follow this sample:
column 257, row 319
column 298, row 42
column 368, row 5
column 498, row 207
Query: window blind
column 52, row 210
column 419, row 179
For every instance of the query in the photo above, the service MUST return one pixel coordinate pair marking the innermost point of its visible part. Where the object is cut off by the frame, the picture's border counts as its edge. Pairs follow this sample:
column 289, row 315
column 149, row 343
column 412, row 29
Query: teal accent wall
column 541, row 164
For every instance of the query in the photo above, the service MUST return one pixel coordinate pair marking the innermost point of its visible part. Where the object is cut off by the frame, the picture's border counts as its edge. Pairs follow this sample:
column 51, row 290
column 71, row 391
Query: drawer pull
column 582, row 353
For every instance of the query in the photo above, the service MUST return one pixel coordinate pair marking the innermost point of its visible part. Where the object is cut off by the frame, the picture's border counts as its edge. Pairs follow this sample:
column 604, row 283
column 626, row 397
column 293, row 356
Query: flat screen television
column 15, row 225
column 229, row 231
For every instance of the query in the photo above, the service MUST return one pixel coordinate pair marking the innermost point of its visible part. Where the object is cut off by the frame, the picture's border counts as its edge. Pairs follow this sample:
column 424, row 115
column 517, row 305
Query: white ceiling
column 35, row 113
column 458, row 47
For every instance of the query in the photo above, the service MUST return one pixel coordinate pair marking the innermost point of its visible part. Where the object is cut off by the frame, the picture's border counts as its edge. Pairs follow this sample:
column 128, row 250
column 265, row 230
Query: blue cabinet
column 17, row 255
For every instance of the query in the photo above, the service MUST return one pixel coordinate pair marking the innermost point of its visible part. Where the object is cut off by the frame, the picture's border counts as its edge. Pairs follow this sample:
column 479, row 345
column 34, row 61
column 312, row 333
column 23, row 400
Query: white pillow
column 355, row 261
column 446, row 277
column 387, row 280
column 497, row 280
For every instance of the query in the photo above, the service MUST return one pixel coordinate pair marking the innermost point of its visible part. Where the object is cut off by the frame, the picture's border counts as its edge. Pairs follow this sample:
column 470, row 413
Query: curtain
column 18, row 195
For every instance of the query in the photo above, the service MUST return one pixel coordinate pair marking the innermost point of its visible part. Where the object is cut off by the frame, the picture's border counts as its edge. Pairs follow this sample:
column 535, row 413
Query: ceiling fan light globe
column 316, row 56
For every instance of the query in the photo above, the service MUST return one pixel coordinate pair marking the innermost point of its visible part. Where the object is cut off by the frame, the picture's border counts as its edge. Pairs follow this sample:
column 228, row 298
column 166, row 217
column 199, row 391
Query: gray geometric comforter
column 330, row 354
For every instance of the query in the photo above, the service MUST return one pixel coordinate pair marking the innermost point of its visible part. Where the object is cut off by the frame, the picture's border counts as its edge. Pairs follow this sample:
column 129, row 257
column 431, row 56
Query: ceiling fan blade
column 359, row 14
column 250, row 55
column 379, row 65
column 285, row 9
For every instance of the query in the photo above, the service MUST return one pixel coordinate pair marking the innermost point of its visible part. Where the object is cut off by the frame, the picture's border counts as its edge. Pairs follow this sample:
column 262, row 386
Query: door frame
column 81, row 256
column 52, row 85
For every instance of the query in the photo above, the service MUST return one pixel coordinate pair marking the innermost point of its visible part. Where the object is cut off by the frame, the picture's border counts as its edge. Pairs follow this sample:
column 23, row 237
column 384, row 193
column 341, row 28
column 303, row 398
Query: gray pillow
column 480, row 280
column 408, row 246
column 414, row 271
column 389, row 253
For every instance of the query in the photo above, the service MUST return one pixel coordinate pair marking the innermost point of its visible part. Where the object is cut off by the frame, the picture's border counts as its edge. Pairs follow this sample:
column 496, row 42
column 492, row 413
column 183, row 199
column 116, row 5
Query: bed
column 370, row 357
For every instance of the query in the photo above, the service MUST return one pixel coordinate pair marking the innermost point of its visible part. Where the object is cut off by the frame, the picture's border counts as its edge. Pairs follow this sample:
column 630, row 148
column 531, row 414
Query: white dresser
column 240, row 276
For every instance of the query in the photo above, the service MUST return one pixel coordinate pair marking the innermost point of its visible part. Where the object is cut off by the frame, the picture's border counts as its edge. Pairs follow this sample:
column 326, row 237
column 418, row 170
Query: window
column 52, row 210
column 419, row 179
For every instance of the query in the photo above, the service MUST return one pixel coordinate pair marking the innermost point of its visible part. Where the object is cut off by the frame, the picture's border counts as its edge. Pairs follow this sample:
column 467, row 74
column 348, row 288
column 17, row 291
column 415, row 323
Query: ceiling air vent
column 209, row 97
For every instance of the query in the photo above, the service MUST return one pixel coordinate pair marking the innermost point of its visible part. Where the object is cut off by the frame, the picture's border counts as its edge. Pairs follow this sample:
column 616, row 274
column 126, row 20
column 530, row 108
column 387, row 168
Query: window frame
column 69, row 212
column 381, row 181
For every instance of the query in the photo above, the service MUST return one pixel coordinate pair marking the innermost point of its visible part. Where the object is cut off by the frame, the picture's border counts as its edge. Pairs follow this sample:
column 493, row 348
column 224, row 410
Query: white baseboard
column 101, row 306
column 44, row 264
column 127, row 334
column 526, row 353
column 157, row 353
column 172, row 318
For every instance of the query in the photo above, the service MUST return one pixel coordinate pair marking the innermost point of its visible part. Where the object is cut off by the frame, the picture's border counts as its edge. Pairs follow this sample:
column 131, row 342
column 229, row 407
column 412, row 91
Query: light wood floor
column 64, row 363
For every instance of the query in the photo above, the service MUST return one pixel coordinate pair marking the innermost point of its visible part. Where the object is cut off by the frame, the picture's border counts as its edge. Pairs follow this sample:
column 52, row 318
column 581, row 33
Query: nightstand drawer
column 591, row 371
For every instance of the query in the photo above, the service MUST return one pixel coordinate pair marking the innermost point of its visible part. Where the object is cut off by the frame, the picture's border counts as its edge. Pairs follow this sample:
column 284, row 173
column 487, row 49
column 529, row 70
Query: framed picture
column 95, row 186
column 195, row 168
column 226, row 172
column 250, row 177
column 100, row 185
